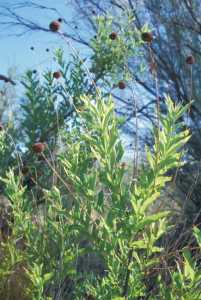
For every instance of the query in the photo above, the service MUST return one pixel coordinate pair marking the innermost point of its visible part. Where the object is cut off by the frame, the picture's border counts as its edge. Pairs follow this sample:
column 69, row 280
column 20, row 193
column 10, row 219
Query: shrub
column 73, row 224
column 95, row 235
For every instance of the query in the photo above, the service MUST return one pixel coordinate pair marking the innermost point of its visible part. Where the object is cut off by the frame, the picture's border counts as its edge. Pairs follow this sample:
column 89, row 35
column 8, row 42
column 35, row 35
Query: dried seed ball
column 38, row 147
column 190, row 60
column 34, row 71
column 121, row 85
column 60, row 20
column 32, row 48
column 113, row 36
column 47, row 50
column 54, row 26
column 147, row 37
column 25, row 170
column 57, row 74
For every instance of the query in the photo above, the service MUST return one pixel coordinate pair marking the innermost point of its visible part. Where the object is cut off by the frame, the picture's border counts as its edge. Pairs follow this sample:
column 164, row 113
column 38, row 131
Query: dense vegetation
column 76, row 220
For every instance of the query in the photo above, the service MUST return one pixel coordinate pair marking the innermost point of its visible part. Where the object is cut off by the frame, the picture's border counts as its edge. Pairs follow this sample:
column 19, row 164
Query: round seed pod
column 147, row 37
column 38, row 147
column 54, row 26
column 113, row 36
column 190, row 60
column 121, row 85
column 57, row 74
column 25, row 170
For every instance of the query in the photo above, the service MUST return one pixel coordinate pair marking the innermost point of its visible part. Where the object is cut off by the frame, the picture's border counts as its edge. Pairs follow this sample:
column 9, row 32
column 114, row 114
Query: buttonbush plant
column 73, row 223
column 110, row 56
column 50, row 103
column 95, row 236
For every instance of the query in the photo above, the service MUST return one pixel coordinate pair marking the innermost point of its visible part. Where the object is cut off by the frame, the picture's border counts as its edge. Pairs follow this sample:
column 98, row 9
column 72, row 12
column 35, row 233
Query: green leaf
column 100, row 199
column 197, row 234
column 47, row 277
column 151, row 219
column 189, row 271
column 150, row 199
column 149, row 158
column 107, row 116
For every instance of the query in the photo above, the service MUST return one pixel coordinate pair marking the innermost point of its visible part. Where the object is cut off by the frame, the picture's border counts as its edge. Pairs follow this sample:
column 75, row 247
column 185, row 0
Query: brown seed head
column 25, row 170
column 190, row 60
column 147, row 37
column 57, row 74
column 113, row 36
column 54, row 26
column 121, row 85
column 38, row 147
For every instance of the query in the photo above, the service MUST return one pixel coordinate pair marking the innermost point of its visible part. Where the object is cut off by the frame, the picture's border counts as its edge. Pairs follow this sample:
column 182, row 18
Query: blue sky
column 15, row 50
